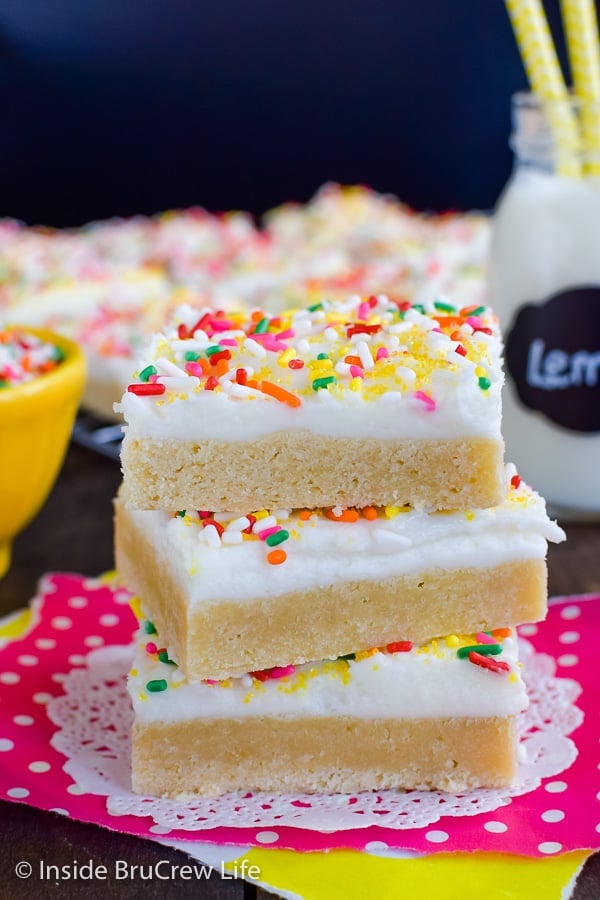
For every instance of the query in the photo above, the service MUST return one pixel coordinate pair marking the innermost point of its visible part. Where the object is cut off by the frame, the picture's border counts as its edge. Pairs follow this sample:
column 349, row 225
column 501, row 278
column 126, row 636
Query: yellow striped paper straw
column 543, row 70
column 581, row 27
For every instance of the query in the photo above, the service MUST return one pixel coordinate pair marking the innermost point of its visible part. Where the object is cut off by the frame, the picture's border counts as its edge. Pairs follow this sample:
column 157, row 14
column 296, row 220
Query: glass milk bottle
column 545, row 287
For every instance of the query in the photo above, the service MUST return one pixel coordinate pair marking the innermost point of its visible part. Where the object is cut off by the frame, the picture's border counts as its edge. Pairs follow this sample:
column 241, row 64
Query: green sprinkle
column 315, row 307
column 149, row 628
column 147, row 372
column 181, row 513
column 277, row 538
column 191, row 356
column 444, row 307
column 419, row 307
column 156, row 686
column 323, row 382
column 262, row 326
column 484, row 649
column 484, row 383
column 322, row 356
column 477, row 311
column 58, row 354
column 348, row 657
column 210, row 351
column 3, row 384
column 164, row 658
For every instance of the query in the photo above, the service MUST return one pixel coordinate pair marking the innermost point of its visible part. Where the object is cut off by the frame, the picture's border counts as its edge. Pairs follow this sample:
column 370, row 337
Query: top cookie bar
column 367, row 402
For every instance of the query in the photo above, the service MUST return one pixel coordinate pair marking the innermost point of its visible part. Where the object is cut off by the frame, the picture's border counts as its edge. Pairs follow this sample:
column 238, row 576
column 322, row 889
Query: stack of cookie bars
column 329, row 552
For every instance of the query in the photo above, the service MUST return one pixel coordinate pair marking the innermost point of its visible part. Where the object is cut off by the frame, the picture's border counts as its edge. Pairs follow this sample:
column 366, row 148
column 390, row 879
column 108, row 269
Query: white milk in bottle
column 545, row 287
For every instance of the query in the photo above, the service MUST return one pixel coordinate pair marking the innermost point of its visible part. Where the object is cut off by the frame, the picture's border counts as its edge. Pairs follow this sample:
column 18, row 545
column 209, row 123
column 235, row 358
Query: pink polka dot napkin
column 73, row 615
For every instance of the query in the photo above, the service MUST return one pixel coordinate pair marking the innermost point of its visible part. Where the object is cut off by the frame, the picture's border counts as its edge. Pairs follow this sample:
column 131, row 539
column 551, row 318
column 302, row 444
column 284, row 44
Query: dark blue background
column 123, row 106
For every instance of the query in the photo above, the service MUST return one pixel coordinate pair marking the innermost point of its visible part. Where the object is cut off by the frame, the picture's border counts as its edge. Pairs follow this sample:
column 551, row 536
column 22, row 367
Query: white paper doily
column 94, row 719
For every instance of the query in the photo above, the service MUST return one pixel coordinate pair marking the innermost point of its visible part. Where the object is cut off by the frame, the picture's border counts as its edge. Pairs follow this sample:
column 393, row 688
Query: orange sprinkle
column 348, row 515
column 276, row 557
column 369, row 512
column 353, row 360
column 501, row 632
column 275, row 391
column 456, row 336
column 221, row 367
column 305, row 515
column 257, row 315
column 446, row 321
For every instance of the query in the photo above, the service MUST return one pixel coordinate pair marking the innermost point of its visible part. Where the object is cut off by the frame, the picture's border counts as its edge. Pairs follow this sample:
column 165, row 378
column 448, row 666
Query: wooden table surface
column 74, row 533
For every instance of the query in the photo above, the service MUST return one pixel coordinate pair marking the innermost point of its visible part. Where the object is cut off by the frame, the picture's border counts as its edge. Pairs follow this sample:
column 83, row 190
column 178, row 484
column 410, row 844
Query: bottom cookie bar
column 399, row 717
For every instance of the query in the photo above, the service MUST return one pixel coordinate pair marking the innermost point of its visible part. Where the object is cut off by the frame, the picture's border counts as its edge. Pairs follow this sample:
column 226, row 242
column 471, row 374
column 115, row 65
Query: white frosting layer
column 390, row 404
column 417, row 684
column 322, row 552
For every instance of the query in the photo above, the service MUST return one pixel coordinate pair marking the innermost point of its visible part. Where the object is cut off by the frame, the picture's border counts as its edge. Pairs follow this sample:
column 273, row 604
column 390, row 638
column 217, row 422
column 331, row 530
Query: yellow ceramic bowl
column 36, row 419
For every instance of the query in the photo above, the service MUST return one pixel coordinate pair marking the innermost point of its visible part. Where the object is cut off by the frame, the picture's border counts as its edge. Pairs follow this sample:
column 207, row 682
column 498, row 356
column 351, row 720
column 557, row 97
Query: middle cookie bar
column 232, row 594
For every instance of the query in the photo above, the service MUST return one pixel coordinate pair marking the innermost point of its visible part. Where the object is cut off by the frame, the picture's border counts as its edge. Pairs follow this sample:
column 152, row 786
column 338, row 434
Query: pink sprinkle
column 228, row 342
column 357, row 372
column 210, row 681
column 483, row 638
column 382, row 353
column 222, row 325
column 427, row 401
column 153, row 379
column 151, row 648
column 281, row 671
column 193, row 368
column 263, row 535
column 271, row 343
column 284, row 335
column 364, row 310
column 475, row 321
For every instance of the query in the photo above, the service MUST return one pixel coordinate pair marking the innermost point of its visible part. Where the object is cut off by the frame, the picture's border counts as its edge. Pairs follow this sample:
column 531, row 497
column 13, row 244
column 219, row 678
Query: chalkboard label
column 553, row 357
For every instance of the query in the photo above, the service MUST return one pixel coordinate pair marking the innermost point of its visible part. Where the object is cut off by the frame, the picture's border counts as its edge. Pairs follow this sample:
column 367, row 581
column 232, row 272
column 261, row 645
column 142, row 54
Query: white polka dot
column 496, row 827
column 568, row 659
column 598, row 827
column 555, row 787
column 553, row 815
column 528, row 630
column 42, row 697
column 75, row 790
column 27, row 659
column 61, row 623
column 108, row 620
column 93, row 640
column 77, row 602
column 6, row 744
column 60, row 811
column 267, row 837
column 92, row 584
column 39, row 766
column 436, row 837
column 375, row 846
column 23, row 720
column 569, row 637
column 9, row 678
column 58, row 677
column 550, row 847
column 45, row 643
column 122, row 598
column 570, row 612
column 17, row 793
column 76, row 659
column 160, row 829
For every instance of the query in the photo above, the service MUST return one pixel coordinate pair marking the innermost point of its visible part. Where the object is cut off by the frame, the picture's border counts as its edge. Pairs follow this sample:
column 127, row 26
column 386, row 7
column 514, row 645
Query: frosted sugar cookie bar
column 440, row 715
column 234, row 593
column 370, row 401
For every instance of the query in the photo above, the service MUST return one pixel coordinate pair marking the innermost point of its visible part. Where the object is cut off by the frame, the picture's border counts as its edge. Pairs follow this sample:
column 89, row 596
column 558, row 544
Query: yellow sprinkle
column 285, row 357
column 248, row 697
column 355, row 384
column 480, row 372
column 261, row 514
column 391, row 511
column 142, row 696
column 136, row 607
column 452, row 640
column 513, row 677
column 133, row 672
column 469, row 516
